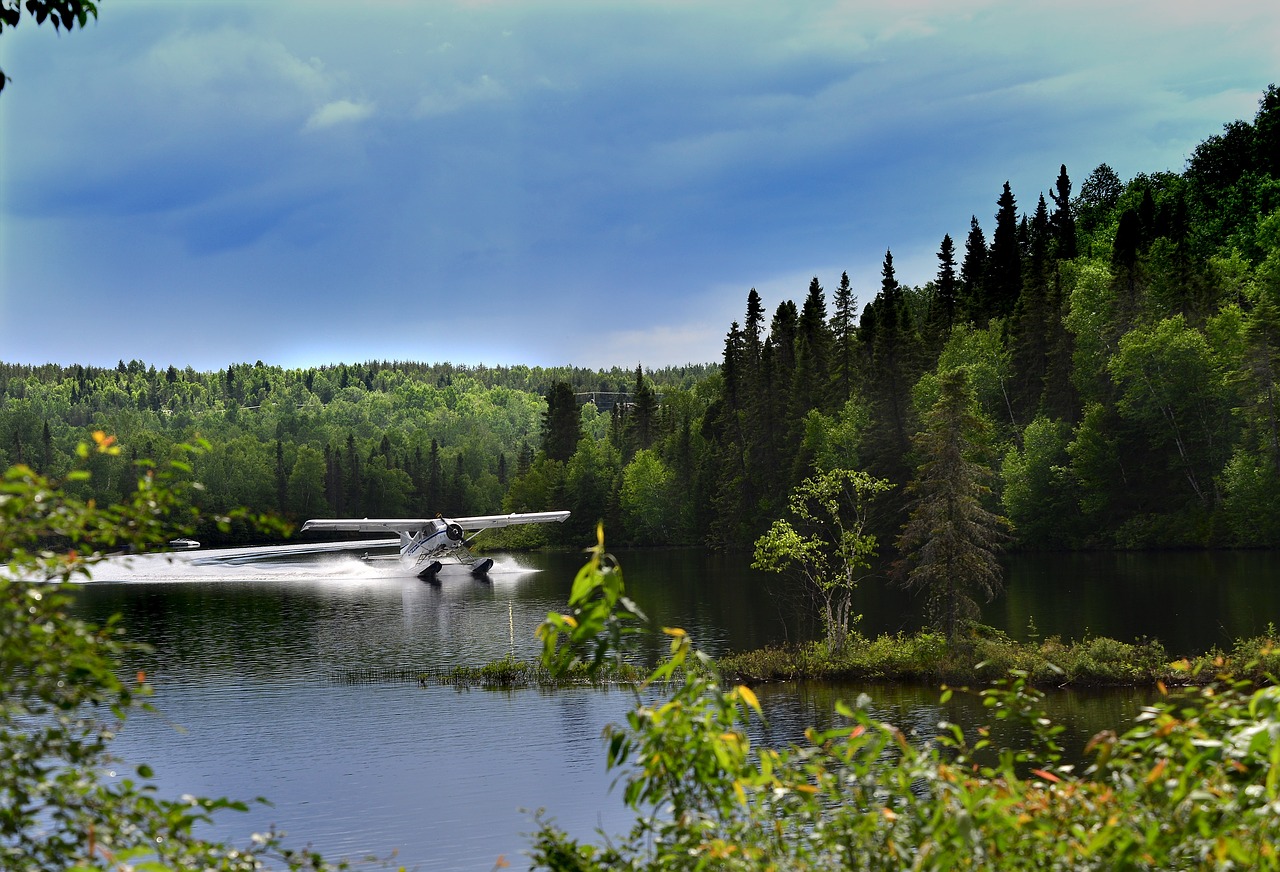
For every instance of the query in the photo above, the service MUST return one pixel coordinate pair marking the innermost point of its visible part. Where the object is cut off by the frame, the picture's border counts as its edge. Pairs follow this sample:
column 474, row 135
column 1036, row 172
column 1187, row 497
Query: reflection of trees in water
column 916, row 710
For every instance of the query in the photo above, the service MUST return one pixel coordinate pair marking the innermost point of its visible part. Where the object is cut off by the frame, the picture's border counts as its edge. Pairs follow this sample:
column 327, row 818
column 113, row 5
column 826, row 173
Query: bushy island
column 982, row 656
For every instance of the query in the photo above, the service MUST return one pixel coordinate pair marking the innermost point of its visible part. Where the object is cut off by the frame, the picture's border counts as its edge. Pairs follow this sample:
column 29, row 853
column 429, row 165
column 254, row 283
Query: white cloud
column 339, row 112
column 484, row 89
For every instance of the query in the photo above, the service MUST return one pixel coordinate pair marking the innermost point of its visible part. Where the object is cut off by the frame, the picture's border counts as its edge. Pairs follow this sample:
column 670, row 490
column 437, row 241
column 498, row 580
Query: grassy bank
column 928, row 658
column 988, row 654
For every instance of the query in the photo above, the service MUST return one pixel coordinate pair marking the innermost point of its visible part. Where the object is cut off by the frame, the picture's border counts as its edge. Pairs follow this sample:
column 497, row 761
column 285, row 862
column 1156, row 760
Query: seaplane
column 431, row 546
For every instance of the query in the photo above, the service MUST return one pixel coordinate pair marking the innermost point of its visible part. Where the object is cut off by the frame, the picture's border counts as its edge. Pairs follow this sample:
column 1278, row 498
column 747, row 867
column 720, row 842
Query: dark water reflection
column 249, row 662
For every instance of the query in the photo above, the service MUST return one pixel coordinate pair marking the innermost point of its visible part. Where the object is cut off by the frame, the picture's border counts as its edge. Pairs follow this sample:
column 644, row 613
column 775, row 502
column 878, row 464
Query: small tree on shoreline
column 950, row 541
column 830, row 548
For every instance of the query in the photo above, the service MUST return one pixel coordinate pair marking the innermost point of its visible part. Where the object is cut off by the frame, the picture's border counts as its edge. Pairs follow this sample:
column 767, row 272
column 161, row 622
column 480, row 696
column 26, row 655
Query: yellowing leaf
column 675, row 631
column 749, row 696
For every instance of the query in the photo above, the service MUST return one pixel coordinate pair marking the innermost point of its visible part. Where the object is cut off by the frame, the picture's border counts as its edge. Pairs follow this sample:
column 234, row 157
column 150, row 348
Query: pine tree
column 892, row 371
column 813, row 355
column 845, row 337
column 561, row 423
column 973, row 272
column 1030, row 324
column 1063, row 220
column 950, row 543
column 752, row 340
column 1004, row 265
column 282, row 479
column 641, row 422
column 435, row 479
column 943, row 304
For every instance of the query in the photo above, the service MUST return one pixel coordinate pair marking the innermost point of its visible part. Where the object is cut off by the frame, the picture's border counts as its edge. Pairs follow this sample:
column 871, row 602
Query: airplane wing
column 413, row 525
column 367, row 525
column 257, row 554
column 485, row 522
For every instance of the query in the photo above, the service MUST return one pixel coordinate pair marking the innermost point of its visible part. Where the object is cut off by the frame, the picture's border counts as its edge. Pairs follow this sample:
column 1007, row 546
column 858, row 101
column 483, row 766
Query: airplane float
column 433, row 545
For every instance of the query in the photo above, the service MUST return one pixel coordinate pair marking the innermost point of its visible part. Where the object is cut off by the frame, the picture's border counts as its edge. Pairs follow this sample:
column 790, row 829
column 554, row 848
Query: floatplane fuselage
column 428, row 546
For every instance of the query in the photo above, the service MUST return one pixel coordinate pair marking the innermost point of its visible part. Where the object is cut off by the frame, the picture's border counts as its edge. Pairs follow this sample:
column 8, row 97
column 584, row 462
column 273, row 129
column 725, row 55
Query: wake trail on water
column 224, row 565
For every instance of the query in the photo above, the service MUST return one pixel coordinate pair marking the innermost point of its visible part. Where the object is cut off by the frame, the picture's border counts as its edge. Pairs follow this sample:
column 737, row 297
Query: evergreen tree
column 1004, row 265
column 943, row 303
column 46, row 450
column 1062, row 221
column 813, row 355
column 435, row 480
column 642, row 418
column 282, row 480
column 845, row 337
column 352, row 485
column 561, row 423
column 950, row 543
column 752, row 340
column 1030, row 325
column 892, row 371
column 973, row 272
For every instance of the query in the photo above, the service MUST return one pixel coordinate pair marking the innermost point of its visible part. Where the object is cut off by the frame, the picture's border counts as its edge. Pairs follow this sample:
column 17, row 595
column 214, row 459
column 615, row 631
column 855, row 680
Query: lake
column 252, row 667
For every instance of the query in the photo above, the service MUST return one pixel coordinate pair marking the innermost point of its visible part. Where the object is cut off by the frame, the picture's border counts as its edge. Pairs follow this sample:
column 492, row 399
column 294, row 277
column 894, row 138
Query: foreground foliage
column 1193, row 783
column 62, row 700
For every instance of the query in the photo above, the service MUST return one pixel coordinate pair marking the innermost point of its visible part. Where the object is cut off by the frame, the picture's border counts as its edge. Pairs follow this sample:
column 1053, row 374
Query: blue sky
column 589, row 183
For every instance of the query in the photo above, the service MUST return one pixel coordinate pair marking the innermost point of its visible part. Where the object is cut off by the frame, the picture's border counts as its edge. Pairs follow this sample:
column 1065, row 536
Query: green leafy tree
column 950, row 542
column 828, row 546
column 650, row 510
column 1039, row 492
column 1172, row 388
column 306, row 483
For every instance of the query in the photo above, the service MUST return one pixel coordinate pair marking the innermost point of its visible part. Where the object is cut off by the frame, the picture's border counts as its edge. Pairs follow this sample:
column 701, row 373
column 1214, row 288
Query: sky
column 594, row 183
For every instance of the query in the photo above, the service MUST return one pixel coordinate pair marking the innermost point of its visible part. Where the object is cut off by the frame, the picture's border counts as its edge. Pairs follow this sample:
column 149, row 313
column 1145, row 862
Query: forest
column 1120, row 339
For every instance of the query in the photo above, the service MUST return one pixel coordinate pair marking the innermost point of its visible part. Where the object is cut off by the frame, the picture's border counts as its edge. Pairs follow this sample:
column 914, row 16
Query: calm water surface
column 249, row 665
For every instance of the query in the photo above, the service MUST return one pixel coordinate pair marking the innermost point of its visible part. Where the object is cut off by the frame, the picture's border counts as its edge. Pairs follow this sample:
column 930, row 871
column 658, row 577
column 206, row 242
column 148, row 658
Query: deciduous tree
column 828, row 546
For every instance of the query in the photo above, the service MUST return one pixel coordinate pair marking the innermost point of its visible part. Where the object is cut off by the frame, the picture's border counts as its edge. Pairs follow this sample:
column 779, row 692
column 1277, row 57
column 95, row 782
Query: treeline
column 374, row 439
column 1122, row 341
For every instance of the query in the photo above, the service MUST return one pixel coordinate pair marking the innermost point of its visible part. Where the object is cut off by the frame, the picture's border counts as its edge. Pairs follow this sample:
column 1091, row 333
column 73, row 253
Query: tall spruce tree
column 561, row 423
column 892, row 371
column 1030, row 325
column 1062, row 221
column 813, row 355
column 950, row 542
column 642, row 416
column 973, row 275
column 845, row 337
column 1004, row 265
column 943, row 304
